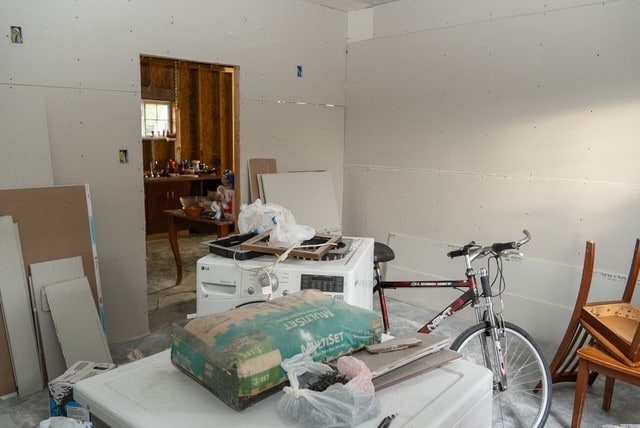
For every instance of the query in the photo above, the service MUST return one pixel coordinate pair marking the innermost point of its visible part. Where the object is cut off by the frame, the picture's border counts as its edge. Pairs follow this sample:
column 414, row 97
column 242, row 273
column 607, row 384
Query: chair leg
column 581, row 393
column 608, row 393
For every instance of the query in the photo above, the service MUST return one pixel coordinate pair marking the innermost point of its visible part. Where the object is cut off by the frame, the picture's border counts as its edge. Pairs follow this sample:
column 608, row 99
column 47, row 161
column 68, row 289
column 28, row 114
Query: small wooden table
column 180, row 221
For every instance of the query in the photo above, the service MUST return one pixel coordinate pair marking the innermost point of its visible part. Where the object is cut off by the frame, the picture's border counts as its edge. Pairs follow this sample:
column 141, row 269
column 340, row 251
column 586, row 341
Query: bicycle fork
column 489, row 316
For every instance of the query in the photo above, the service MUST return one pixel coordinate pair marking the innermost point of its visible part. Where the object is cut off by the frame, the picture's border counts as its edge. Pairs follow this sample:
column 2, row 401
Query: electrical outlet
column 16, row 34
column 124, row 156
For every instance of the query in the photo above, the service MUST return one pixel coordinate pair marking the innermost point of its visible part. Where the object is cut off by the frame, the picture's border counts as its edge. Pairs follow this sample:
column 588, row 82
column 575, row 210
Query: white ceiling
column 349, row 5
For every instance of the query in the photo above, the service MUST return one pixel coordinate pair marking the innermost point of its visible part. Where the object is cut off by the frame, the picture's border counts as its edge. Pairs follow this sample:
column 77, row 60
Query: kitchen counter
column 185, row 177
column 163, row 193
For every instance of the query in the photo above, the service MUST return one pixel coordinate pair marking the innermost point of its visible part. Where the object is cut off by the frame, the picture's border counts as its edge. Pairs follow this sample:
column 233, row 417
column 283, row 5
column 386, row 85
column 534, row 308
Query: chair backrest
column 632, row 279
column 564, row 365
column 587, row 276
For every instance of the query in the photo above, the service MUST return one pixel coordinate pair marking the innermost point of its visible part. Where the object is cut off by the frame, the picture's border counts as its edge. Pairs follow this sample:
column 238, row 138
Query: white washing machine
column 224, row 283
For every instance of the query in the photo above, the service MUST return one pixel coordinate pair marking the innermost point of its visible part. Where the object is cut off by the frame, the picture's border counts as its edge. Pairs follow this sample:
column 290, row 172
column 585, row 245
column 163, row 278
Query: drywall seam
column 493, row 175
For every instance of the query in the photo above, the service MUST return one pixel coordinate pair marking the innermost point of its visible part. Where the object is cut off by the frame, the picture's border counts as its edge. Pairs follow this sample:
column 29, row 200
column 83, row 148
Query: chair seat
column 601, row 359
column 593, row 359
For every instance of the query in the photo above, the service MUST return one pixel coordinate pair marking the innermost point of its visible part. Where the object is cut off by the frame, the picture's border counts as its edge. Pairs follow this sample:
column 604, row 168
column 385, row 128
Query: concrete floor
column 168, row 304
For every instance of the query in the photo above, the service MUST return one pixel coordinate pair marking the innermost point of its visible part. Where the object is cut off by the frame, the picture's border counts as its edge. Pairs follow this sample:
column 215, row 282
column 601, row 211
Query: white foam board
column 17, row 311
column 77, row 324
column 310, row 196
column 42, row 275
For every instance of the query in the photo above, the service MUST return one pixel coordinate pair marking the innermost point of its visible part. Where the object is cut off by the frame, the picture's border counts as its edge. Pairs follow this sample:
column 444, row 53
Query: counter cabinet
column 164, row 193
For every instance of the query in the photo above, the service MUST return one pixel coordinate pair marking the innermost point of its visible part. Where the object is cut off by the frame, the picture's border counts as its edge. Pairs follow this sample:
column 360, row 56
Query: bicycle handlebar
column 497, row 247
column 461, row 252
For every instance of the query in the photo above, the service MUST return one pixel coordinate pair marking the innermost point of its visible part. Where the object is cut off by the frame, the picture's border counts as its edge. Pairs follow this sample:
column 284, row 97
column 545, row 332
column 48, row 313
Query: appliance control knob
column 251, row 290
column 285, row 292
column 265, row 280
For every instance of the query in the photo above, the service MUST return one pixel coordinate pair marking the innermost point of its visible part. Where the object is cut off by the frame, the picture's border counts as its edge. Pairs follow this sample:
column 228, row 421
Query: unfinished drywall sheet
column 42, row 275
column 467, row 130
column 16, row 307
column 268, row 40
column 114, row 197
column 302, row 137
column 58, row 226
column 77, row 323
column 310, row 196
column 25, row 141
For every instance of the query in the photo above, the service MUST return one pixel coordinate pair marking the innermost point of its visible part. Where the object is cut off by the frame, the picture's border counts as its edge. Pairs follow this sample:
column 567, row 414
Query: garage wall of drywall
column 474, row 120
column 81, row 60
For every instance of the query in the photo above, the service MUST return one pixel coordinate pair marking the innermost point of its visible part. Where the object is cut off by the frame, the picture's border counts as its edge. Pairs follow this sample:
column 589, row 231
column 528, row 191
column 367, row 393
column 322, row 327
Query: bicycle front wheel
column 526, row 398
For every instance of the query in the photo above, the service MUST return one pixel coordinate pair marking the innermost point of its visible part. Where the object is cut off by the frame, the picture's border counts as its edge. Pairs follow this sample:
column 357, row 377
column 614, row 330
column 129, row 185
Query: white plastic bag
column 337, row 406
column 285, row 232
column 64, row 422
column 288, row 235
column 259, row 218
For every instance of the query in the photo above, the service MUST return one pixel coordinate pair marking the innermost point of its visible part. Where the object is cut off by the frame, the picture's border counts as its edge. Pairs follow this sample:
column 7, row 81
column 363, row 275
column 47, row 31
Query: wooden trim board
column 415, row 368
column 385, row 362
column 17, row 311
column 258, row 244
column 259, row 166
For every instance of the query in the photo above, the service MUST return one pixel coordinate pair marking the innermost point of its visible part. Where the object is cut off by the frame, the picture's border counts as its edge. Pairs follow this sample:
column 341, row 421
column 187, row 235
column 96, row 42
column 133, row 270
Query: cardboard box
column 237, row 354
column 61, row 402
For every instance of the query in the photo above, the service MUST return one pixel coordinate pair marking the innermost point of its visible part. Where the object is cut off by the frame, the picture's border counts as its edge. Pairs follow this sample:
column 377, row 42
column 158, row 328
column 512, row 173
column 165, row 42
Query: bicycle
column 521, row 377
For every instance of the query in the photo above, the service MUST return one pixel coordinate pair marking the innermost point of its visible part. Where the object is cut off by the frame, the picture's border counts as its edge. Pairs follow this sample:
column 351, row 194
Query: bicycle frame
column 469, row 296
column 489, row 341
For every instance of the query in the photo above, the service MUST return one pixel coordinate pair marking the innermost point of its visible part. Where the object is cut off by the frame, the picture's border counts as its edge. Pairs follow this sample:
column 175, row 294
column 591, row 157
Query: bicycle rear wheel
column 527, row 398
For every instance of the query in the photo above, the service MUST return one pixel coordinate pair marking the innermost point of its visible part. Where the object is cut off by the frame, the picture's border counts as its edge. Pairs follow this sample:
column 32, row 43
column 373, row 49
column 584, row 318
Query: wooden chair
column 565, row 363
column 592, row 359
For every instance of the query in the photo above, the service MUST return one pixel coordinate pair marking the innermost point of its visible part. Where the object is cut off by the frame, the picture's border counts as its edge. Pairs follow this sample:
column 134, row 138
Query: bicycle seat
column 382, row 253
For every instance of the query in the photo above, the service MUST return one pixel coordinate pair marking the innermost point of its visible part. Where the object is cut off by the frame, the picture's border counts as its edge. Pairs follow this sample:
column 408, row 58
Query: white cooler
column 152, row 392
